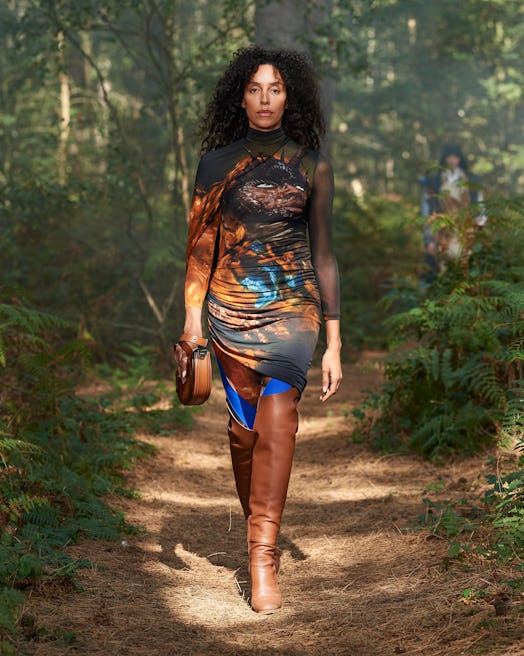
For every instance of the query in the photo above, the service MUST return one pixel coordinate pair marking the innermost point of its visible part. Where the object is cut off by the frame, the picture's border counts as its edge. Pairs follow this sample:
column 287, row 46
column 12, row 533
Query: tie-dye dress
column 260, row 252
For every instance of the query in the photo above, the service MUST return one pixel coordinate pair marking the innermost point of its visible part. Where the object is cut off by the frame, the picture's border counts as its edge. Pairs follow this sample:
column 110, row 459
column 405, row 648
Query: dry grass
column 355, row 581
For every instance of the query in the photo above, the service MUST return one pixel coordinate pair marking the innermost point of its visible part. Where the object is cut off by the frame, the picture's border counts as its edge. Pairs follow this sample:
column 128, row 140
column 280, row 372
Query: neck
column 265, row 136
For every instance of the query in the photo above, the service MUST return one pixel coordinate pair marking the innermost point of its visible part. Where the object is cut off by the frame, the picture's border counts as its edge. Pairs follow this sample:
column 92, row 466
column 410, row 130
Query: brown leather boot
column 241, row 443
column 276, row 424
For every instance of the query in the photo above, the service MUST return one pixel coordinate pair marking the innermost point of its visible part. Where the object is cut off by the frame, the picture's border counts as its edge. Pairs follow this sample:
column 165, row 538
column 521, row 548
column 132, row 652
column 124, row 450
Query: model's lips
column 265, row 112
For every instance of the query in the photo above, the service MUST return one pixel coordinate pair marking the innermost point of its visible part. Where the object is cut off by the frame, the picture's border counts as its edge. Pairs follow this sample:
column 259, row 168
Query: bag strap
column 193, row 339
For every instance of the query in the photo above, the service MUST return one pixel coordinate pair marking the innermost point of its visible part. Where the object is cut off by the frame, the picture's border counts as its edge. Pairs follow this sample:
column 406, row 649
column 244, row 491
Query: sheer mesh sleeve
column 320, row 237
column 202, row 240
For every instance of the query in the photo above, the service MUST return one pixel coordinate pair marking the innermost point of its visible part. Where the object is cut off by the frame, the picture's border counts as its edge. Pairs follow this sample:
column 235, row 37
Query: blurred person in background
column 452, row 192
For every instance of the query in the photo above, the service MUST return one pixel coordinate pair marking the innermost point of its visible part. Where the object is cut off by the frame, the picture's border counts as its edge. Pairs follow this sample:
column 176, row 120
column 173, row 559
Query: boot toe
column 271, row 604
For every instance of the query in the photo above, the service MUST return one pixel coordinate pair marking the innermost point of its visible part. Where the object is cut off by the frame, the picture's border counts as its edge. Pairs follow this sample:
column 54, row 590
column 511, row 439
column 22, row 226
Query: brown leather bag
column 197, row 386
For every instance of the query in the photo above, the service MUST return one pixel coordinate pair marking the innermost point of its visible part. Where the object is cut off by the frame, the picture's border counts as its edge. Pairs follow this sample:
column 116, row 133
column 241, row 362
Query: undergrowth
column 136, row 390
column 489, row 526
column 454, row 380
column 59, row 455
column 369, row 234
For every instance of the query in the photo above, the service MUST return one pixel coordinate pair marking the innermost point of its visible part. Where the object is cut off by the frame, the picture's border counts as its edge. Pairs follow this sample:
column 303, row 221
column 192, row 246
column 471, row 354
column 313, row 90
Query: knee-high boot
column 276, row 424
column 241, row 443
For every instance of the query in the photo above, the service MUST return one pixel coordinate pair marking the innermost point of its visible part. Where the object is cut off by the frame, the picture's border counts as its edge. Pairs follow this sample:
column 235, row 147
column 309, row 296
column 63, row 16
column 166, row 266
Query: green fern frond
column 513, row 420
column 8, row 444
column 483, row 382
column 17, row 506
column 10, row 602
column 462, row 288
column 447, row 367
column 27, row 324
column 431, row 436
column 43, row 514
column 30, row 322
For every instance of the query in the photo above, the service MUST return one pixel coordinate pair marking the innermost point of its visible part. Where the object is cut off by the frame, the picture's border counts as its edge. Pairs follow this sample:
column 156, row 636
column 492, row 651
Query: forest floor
column 358, row 578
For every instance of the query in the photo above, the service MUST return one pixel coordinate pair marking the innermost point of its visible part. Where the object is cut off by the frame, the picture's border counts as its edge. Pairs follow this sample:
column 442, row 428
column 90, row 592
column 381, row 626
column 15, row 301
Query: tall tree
column 296, row 24
column 289, row 23
column 64, row 114
column 127, row 88
column 328, row 31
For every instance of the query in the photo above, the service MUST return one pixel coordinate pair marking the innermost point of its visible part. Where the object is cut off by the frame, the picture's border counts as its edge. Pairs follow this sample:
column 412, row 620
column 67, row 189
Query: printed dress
column 260, row 252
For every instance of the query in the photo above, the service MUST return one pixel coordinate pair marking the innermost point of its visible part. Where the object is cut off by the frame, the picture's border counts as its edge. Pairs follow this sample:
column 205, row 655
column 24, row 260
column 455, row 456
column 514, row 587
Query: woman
column 261, row 189
column 450, row 191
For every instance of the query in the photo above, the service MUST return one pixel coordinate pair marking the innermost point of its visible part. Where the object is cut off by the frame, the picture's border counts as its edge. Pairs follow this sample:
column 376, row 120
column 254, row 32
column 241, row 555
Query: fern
column 460, row 386
column 27, row 324
column 505, row 499
column 10, row 601
column 58, row 455
column 512, row 424
column 9, row 444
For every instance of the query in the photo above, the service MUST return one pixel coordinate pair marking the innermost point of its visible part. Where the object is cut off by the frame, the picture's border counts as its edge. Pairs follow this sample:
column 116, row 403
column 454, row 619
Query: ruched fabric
column 261, row 253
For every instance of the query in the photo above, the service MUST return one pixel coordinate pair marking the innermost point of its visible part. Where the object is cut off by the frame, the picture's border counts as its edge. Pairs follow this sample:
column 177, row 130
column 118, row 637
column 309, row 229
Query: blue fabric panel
column 274, row 386
column 242, row 411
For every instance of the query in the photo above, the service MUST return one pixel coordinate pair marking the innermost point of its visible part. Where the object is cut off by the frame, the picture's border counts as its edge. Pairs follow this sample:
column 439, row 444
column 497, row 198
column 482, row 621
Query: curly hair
column 225, row 120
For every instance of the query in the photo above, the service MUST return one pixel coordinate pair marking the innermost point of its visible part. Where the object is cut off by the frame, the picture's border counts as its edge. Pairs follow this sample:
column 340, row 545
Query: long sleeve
column 321, row 241
column 199, row 268
column 203, row 227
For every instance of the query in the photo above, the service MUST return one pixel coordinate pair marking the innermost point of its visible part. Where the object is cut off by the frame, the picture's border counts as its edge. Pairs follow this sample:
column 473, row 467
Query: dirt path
column 355, row 581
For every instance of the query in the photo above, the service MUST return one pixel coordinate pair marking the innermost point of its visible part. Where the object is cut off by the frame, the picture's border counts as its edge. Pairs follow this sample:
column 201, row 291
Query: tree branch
column 152, row 303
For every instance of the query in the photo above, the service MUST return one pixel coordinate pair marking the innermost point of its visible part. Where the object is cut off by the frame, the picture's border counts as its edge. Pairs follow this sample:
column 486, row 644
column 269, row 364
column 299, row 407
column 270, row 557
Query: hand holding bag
column 196, row 388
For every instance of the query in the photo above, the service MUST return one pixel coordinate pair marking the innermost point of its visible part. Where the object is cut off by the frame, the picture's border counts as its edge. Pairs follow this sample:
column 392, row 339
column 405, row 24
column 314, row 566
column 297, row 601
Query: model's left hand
column 331, row 373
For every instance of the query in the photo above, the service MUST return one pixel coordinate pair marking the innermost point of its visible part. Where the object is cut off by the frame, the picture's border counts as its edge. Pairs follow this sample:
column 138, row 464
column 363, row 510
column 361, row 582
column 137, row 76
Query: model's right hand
column 192, row 326
column 181, row 361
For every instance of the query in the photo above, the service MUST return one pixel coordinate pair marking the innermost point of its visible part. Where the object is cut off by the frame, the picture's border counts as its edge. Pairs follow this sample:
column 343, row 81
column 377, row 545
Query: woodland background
column 99, row 140
column 99, row 111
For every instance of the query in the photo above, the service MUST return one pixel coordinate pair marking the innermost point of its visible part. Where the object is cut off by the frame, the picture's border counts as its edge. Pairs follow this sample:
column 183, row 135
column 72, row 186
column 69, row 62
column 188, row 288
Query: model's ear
column 243, row 104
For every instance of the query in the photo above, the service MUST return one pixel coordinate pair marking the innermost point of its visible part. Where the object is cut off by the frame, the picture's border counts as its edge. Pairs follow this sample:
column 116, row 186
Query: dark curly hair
column 225, row 120
column 453, row 149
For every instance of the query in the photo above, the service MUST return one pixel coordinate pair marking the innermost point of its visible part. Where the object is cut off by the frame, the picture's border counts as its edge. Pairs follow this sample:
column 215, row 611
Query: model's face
column 265, row 99
column 452, row 162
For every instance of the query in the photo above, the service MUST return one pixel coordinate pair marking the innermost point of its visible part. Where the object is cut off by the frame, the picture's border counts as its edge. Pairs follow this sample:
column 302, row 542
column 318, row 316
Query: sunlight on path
column 356, row 579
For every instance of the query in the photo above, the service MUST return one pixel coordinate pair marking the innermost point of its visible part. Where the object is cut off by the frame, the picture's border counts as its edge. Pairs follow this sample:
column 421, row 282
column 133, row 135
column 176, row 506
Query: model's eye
column 265, row 185
column 275, row 90
column 299, row 188
column 253, row 90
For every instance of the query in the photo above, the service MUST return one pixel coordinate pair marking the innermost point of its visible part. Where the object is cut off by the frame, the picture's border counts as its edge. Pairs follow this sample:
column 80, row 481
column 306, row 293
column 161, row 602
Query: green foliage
column 491, row 526
column 59, row 455
column 506, row 499
column 455, row 381
column 10, row 600
column 93, row 217
column 437, row 71
column 136, row 392
column 449, row 518
column 27, row 324
column 369, row 234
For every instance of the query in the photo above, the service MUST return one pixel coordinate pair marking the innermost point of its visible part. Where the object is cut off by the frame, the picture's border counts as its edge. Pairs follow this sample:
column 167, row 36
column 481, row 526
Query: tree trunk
column 281, row 24
column 65, row 114
column 293, row 24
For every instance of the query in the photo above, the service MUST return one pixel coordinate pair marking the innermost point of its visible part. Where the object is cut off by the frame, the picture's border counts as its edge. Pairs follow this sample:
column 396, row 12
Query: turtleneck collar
column 266, row 138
